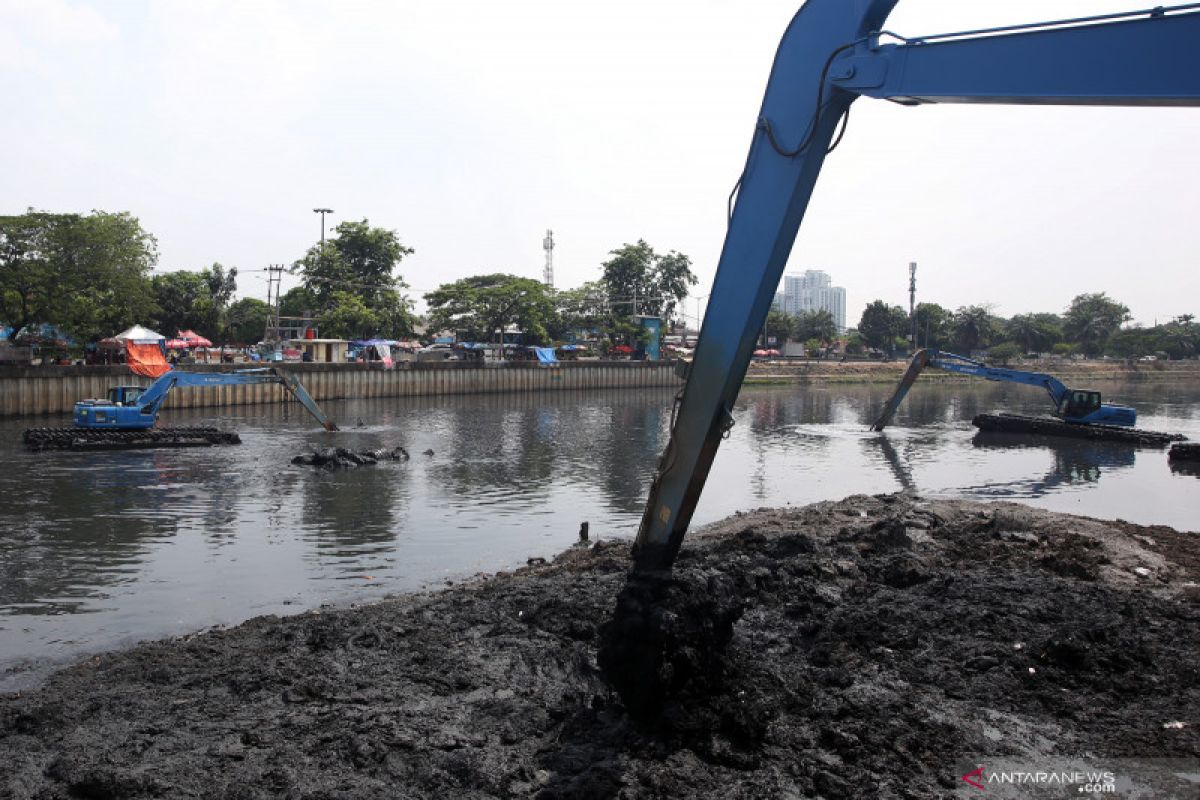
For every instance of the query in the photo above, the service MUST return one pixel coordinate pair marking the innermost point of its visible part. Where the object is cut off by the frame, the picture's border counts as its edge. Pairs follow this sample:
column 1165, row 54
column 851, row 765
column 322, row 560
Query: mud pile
column 869, row 647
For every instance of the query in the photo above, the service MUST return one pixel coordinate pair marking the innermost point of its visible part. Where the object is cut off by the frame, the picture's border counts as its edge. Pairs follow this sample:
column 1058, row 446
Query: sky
column 470, row 128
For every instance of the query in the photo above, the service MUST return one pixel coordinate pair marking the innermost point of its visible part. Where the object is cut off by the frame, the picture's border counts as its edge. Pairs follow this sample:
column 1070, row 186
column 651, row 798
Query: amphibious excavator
column 1077, row 413
column 127, row 417
column 834, row 52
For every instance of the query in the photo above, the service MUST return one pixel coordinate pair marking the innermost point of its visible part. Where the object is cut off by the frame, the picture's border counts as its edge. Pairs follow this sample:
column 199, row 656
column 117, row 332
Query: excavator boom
column 1081, row 407
column 829, row 56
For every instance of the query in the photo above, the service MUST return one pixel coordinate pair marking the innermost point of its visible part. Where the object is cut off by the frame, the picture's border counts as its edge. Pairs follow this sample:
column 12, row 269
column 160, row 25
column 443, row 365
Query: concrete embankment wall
column 1071, row 372
column 27, row 391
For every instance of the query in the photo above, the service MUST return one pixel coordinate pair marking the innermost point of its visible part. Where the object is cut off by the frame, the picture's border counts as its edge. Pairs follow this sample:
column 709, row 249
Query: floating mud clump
column 872, row 647
column 340, row 457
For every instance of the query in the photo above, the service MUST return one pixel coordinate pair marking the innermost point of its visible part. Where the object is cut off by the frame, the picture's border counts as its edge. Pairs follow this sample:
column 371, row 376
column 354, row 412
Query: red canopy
column 622, row 348
column 188, row 339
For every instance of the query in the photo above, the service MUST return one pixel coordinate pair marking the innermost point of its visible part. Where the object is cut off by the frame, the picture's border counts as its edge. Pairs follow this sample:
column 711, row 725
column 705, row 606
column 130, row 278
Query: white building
column 813, row 291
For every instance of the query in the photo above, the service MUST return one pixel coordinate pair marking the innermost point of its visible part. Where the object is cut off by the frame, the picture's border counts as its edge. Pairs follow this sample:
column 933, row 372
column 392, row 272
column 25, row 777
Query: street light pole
column 322, row 212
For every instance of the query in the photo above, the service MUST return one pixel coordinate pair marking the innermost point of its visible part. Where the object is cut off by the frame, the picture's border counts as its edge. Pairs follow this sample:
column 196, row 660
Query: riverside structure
column 28, row 391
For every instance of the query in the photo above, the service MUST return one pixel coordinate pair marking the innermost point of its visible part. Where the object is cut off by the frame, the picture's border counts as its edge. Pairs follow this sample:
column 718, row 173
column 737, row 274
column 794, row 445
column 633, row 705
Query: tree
column 639, row 281
column 348, row 317
column 881, row 324
column 932, row 325
column 779, row 326
column 299, row 301
column 581, row 309
column 972, row 328
column 184, row 303
column 1181, row 337
column 86, row 274
column 1034, row 333
column 248, row 320
column 1003, row 353
column 221, row 285
column 359, row 260
column 1091, row 319
column 479, row 306
column 818, row 324
column 1133, row 342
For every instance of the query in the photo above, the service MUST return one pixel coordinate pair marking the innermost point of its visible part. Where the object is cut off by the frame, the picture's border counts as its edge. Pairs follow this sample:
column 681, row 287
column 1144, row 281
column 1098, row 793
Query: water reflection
column 68, row 540
column 1075, row 461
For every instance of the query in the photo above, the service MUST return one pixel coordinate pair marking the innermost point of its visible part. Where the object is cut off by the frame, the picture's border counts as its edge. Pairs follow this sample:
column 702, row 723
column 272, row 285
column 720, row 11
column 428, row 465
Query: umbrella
column 192, row 339
column 622, row 348
column 758, row 353
column 135, row 334
column 773, row 352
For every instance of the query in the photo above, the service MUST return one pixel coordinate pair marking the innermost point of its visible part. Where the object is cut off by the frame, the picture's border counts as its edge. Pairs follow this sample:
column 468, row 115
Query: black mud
column 865, row 648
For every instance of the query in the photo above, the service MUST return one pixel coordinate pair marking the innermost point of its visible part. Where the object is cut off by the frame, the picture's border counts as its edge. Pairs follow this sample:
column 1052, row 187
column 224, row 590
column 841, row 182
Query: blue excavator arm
column 829, row 56
column 1060, row 395
column 149, row 402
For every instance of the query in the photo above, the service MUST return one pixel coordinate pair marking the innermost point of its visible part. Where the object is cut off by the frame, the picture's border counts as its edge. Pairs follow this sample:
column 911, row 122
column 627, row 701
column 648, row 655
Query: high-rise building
column 813, row 291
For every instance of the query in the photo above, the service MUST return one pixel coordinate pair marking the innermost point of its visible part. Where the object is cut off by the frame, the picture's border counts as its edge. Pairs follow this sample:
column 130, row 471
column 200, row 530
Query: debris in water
column 339, row 457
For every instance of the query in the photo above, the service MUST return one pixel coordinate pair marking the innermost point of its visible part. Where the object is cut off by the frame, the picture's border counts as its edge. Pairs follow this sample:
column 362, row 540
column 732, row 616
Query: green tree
column 1034, row 333
column 299, row 301
column 973, row 328
column 584, row 308
column 1133, row 342
column 479, row 306
column 221, row 285
column 855, row 343
column 184, row 303
column 248, row 320
column 359, row 260
column 1181, row 337
column 639, row 281
column 86, row 274
column 779, row 326
column 880, row 324
column 348, row 317
column 1091, row 319
column 818, row 324
column 932, row 325
column 1003, row 353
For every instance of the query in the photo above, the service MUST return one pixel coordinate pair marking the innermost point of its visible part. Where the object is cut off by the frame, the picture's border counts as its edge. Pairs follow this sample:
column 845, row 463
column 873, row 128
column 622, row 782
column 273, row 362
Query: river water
column 98, row 550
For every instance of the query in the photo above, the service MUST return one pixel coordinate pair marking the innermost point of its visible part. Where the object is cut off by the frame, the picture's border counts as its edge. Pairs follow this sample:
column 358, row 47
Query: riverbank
column 876, row 646
column 785, row 371
column 32, row 391
column 35, row 391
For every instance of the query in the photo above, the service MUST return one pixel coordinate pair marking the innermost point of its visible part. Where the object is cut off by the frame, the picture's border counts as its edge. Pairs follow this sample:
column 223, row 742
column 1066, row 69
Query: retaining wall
column 26, row 391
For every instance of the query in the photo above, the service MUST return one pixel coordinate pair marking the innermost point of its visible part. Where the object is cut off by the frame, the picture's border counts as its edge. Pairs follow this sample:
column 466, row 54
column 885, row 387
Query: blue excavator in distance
column 126, row 417
column 1076, row 406
column 136, row 408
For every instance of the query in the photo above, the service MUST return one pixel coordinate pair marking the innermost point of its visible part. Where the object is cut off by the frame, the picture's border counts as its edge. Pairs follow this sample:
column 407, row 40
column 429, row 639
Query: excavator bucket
column 919, row 361
column 300, row 393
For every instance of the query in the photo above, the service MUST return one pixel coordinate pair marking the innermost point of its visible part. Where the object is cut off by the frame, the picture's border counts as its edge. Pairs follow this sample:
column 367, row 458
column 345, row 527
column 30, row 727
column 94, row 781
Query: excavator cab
column 124, row 395
column 1078, row 403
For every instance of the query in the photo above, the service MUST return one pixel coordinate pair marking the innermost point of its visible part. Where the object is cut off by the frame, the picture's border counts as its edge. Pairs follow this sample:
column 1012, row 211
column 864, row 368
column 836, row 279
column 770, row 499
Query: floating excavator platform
column 91, row 439
column 1049, row 426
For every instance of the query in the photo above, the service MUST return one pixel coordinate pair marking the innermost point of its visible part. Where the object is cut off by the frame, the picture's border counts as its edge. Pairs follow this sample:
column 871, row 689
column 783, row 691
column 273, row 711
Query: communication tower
column 548, row 246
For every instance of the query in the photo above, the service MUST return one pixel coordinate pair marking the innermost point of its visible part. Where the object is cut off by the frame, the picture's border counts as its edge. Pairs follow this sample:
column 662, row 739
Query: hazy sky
column 472, row 127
